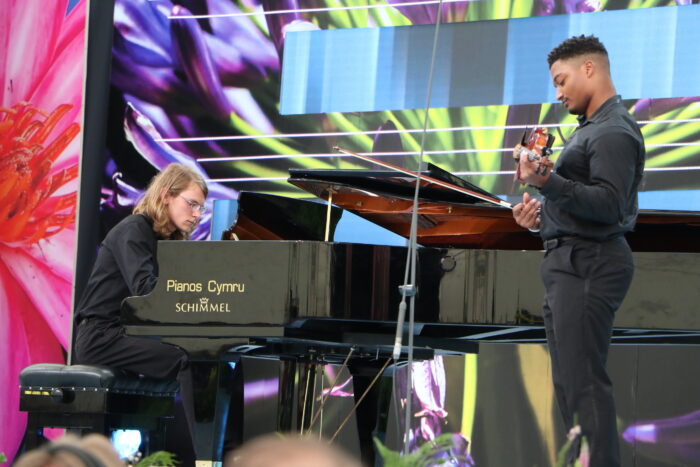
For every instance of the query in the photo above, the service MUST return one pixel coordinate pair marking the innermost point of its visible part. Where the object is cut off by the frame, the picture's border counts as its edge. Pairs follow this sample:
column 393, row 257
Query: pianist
column 590, row 202
column 126, row 266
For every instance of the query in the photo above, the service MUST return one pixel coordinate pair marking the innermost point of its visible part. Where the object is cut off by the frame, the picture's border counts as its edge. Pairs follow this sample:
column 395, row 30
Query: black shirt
column 126, row 265
column 592, row 191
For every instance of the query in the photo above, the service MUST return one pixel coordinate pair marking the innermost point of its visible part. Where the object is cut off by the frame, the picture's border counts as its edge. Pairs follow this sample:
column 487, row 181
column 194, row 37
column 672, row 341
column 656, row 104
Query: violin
column 537, row 145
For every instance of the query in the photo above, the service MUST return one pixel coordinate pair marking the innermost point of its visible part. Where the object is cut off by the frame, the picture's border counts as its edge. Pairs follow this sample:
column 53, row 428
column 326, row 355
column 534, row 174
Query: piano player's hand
column 527, row 213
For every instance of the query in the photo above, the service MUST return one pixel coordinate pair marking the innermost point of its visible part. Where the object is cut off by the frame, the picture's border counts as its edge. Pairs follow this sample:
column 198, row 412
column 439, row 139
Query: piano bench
column 94, row 399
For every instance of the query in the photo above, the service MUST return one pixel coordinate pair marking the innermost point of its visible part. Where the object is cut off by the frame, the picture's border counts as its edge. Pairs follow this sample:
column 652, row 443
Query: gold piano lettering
column 185, row 307
column 203, row 306
column 225, row 287
column 176, row 286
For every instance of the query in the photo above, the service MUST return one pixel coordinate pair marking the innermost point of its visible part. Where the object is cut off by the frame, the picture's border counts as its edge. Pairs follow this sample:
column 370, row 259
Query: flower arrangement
column 158, row 458
column 444, row 449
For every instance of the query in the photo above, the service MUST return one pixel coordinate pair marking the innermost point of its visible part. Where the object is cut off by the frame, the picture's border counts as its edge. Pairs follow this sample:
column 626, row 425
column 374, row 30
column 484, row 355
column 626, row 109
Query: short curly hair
column 575, row 47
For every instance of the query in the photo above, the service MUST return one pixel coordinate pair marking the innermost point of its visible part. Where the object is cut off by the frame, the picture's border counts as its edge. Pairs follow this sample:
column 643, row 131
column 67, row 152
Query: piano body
column 306, row 300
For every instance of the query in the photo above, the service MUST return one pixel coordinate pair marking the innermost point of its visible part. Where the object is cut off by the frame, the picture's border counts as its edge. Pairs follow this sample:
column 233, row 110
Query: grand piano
column 282, row 291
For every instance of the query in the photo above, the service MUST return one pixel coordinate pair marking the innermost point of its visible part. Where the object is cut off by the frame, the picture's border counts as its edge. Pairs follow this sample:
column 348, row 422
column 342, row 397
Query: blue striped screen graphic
column 653, row 51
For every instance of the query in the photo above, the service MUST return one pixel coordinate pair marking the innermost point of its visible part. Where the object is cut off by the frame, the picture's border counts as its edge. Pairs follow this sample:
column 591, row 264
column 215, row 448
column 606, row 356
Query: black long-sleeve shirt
column 592, row 191
column 126, row 265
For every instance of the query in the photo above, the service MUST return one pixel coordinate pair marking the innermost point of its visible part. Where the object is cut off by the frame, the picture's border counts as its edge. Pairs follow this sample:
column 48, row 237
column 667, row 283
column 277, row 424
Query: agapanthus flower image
column 429, row 414
column 40, row 108
column 185, row 79
column 206, row 77
column 673, row 439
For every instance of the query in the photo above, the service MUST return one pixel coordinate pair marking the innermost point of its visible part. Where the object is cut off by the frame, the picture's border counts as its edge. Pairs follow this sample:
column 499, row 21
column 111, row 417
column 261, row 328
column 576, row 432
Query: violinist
column 589, row 203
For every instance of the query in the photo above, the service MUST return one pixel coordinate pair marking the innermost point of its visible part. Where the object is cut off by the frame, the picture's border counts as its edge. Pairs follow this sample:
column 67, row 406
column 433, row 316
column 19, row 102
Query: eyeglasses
column 194, row 205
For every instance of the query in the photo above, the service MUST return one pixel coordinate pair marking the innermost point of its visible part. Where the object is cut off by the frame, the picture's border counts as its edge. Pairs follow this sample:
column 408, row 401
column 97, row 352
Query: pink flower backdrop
column 41, row 72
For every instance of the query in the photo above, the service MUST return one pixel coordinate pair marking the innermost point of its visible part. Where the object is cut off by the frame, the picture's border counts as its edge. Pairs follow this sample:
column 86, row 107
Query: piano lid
column 452, row 219
column 261, row 216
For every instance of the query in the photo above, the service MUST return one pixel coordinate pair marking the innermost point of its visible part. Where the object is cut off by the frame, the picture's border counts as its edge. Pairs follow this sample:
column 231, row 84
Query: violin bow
column 435, row 181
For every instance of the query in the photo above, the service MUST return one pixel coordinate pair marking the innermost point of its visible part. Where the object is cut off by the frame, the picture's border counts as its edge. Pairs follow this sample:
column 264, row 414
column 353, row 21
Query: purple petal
column 193, row 56
column 277, row 22
column 118, row 200
column 684, row 429
column 581, row 6
column 142, row 31
column 124, row 194
column 417, row 14
column 429, row 383
column 139, row 130
column 235, row 68
column 671, row 439
column 242, row 32
column 387, row 142
column 175, row 125
column 544, row 7
column 649, row 108
column 260, row 390
column 339, row 390
column 644, row 433
column 157, row 85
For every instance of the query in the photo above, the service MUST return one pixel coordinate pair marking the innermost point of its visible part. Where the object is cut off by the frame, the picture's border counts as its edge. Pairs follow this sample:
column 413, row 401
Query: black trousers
column 101, row 342
column 104, row 343
column 585, row 283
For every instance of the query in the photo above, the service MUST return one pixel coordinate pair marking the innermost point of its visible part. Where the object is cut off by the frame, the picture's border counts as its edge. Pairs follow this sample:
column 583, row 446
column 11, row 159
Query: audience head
column 288, row 451
column 70, row 451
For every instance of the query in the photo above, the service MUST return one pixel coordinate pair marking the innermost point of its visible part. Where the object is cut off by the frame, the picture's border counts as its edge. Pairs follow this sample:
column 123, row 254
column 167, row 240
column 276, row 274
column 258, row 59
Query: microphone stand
column 409, row 288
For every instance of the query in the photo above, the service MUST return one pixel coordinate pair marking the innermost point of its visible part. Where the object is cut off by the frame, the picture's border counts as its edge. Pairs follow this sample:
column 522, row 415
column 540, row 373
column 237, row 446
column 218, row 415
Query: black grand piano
column 281, row 291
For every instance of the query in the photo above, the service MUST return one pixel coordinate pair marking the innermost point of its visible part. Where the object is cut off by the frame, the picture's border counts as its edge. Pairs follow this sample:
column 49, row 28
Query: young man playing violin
column 589, row 203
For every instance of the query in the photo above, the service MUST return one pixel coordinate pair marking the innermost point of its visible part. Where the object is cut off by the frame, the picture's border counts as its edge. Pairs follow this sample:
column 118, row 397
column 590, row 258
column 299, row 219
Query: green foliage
column 561, row 457
column 427, row 455
column 2, row 457
column 159, row 458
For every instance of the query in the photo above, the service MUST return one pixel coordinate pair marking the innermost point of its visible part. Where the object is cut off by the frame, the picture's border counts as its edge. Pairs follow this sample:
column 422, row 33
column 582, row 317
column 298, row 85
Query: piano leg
column 287, row 396
column 368, row 413
column 234, row 402
column 216, row 389
column 332, row 416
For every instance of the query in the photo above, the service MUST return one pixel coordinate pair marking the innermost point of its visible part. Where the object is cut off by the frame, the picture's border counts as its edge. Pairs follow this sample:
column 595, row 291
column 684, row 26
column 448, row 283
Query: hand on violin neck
column 533, row 172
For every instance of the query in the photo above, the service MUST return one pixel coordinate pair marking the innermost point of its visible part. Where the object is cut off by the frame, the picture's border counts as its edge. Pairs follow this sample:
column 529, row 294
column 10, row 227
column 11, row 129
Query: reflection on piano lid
column 348, row 293
column 452, row 219
column 259, row 216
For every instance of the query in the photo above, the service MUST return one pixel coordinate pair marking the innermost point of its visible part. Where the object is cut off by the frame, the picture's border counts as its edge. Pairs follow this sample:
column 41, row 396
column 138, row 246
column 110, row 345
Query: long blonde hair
column 72, row 451
column 173, row 180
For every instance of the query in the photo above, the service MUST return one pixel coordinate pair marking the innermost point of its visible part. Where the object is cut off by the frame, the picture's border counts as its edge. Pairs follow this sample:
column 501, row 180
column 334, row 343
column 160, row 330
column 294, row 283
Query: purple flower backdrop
column 198, row 81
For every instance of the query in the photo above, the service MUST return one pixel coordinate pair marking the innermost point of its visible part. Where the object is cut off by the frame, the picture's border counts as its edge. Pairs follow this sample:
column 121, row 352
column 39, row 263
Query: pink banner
column 41, row 73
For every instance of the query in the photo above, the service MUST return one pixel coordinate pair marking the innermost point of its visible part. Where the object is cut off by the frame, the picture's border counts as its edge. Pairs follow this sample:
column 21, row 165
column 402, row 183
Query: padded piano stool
column 94, row 399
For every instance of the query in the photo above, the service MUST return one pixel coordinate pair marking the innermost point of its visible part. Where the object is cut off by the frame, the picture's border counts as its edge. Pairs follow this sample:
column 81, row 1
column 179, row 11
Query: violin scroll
column 537, row 145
